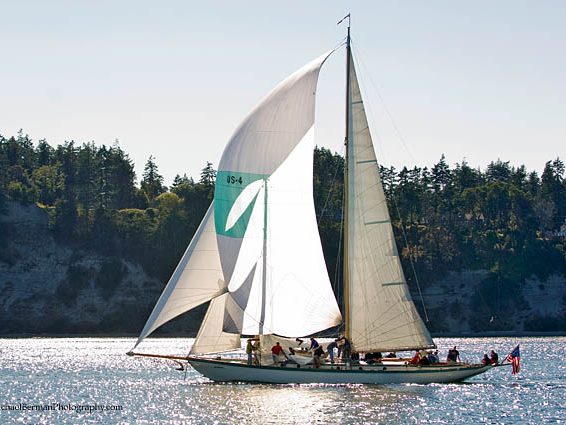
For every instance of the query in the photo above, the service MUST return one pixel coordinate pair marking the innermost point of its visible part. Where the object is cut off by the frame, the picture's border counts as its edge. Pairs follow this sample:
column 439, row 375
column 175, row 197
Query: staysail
column 197, row 279
column 210, row 337
column 382, row 314
column 265, row 221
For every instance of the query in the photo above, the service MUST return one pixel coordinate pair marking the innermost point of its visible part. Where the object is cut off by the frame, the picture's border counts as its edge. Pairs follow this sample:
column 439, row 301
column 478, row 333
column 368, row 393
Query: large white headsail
column 197, row 279
column 382, row 314
column 265, row 222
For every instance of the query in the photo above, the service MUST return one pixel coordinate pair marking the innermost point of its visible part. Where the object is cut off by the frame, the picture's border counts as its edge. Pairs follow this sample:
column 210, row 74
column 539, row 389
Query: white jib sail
column 210, row 338
column 382, row 314
column 197, row 279
column 264, row 212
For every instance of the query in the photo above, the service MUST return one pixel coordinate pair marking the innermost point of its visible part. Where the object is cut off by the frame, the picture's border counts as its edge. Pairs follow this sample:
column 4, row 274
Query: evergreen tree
column 44, row 153
column 441, row 175
column 388, row 176
column 553, row 190
column 533, row 183
column 121, row 178
column 87, row 178
column 179, row 181
column 152, row 182
column 208, row 175
column 498, row 171
column 466, row 177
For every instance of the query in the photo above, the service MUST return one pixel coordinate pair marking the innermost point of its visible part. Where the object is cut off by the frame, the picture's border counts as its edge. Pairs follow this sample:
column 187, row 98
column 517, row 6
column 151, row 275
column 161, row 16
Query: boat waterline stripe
column 365, row 369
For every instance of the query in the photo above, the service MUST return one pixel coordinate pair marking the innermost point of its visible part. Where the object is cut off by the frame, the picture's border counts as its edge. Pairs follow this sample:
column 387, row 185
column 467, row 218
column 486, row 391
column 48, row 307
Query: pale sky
column 479, row 80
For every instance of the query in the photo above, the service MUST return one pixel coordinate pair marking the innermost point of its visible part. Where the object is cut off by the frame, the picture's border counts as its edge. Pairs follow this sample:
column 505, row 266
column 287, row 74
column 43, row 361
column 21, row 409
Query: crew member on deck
column 494, row 358
column 317, row 355
column 330, row 347
column 256, row 351
column 276, row 351
column 453, row 355
column 345, row 347
column 433, row 357
column 371, row 358
column 314, row 344
column 423, row 361
column 249, row 351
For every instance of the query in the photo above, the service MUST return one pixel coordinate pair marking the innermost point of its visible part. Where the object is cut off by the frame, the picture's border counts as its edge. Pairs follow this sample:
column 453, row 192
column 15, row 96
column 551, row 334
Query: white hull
column 219, row 370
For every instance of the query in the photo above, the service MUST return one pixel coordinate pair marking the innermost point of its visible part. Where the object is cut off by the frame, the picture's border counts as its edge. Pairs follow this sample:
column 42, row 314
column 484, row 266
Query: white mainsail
column 382, row 314
column 197, row 279
column 266, row 226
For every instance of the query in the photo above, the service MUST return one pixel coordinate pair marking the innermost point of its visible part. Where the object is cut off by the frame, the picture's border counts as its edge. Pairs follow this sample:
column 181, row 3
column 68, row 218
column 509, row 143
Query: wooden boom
column 158, row 356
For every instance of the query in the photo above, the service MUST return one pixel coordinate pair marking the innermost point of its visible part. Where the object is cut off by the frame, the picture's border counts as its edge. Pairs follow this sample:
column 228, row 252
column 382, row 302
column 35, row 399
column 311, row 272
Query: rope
column 337, row 270
column 330, row 190
column 411, row 260
column 389, row 115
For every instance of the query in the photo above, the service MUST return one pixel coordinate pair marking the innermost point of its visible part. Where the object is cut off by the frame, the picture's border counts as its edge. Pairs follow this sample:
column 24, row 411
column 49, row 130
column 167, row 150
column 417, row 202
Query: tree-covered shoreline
column 505, row 219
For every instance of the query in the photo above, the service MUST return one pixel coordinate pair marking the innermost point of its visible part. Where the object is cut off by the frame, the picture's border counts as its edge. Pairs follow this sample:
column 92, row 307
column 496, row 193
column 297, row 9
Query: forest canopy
column 504, row 219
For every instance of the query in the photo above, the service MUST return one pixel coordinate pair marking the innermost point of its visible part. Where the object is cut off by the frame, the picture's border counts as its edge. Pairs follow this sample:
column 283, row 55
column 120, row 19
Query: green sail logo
column 234, row 198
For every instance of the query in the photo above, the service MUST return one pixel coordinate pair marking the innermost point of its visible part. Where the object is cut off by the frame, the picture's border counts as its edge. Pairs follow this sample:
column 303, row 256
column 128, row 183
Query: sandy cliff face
column 462, row 303
column 48, row 287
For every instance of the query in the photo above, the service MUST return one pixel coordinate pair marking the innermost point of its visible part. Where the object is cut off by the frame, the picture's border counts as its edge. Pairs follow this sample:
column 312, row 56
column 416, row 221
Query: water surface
column 60, row 380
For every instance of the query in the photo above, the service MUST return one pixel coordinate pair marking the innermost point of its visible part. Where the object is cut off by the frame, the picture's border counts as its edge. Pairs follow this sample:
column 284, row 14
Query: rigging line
column 411, row 259
column 358, row 59
column 337, row 270
column 340, row 44
column 330, row 190
column 385, row 108
column 367, row 106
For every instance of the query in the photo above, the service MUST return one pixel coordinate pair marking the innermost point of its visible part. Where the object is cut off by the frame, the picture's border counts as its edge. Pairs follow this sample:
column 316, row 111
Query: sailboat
column 257, row 256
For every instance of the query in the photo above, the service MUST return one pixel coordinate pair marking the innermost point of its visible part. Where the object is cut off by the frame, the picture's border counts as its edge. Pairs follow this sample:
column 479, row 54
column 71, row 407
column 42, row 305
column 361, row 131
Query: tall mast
column 264, row 263
column 346, row 283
